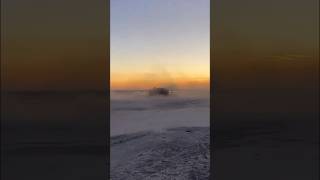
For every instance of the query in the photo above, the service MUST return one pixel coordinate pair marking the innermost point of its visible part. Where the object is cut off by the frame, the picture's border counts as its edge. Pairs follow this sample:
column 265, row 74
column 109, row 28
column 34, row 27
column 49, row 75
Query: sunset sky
column 63, row 44
column 54, row 45
column 159, row 43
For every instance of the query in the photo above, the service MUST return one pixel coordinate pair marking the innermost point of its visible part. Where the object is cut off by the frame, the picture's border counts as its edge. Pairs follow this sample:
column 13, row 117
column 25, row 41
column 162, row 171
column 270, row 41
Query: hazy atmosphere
column 159, row 43
column 160, row 73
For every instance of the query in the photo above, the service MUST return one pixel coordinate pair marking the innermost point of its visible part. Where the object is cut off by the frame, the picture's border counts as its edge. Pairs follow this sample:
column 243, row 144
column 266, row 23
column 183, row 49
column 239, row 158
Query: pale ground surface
column 160, row 137
column 181, row 153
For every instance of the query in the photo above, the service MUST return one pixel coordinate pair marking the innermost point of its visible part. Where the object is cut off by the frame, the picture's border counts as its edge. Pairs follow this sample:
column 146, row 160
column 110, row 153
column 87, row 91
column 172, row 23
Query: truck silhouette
column 159, row 92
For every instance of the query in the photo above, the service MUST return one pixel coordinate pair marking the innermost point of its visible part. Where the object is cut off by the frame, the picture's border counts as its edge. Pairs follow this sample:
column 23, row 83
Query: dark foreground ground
column 251, row 146
column 53, row 136
column 266, row 146
column 247, row 146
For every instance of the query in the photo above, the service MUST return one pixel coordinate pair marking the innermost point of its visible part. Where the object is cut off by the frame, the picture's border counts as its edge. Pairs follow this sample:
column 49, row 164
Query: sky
column 265, row 55
column 63, row 44
column 265, row 44
column 54, row 45
column 159, row 43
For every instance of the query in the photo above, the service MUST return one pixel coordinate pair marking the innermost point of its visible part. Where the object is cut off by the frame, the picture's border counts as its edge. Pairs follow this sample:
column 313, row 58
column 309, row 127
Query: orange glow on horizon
column 146, row 81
